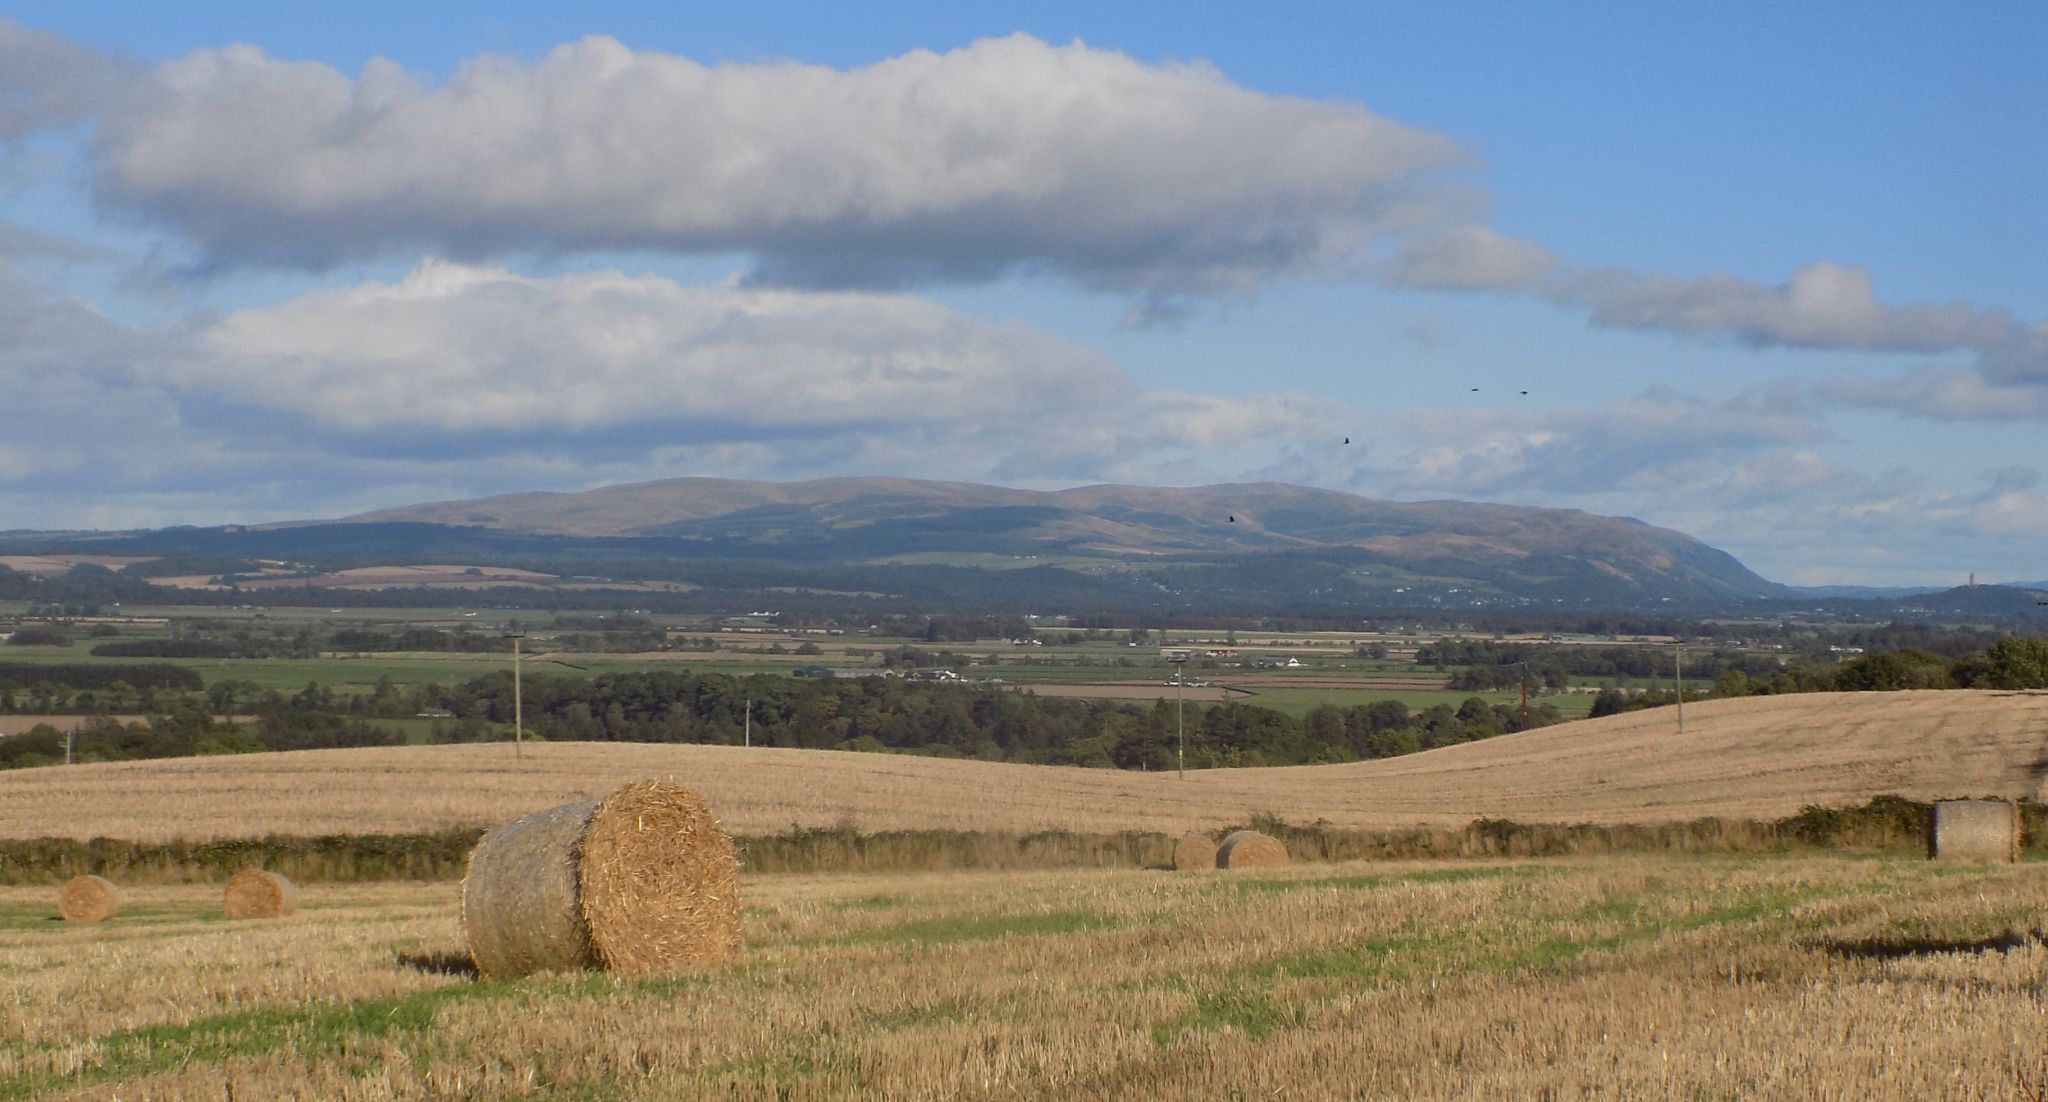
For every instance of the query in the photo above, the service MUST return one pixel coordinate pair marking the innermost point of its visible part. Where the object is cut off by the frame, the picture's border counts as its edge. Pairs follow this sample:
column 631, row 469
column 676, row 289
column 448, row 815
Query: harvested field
column 1615, row 978
column 1751, row 758
column 62, row 564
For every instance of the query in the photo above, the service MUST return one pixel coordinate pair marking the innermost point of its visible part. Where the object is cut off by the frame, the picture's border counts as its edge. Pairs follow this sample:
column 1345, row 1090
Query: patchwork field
column 1813, row 977
column 1747, row 758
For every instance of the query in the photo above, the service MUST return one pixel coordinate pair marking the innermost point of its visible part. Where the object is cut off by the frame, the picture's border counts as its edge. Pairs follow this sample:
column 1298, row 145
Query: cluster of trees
column 461, row 640
column 186, row 731
column 2013, row 662
column 38, row 687
column 1490, row 665
column 968, row 721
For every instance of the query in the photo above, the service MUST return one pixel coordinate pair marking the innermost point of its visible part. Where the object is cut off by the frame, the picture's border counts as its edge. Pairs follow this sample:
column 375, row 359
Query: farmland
column 283, row 649
column 1637, row 975
column 1750, row 758
column 1617, row 977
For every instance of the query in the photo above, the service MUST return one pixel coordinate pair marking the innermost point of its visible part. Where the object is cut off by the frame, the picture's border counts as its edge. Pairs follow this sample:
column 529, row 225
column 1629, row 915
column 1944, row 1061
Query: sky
column 1772, row 275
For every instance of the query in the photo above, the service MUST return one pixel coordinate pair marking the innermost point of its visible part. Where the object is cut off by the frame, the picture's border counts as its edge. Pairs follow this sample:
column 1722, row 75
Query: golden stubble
column 1638, row 977
column 1741, row 759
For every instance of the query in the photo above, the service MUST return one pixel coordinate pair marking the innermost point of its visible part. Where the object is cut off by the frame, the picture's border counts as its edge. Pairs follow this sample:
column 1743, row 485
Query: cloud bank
column 466, row 348
column 479, row 377
column 1008, row 155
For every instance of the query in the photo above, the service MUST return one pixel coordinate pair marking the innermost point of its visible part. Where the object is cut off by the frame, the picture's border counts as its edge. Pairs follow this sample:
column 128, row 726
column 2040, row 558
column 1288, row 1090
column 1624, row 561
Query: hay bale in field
column 641, row 881
column 1196, row 851
column 88, row 899
column 260, row 893
column 1249, row 849
column 1976, row 831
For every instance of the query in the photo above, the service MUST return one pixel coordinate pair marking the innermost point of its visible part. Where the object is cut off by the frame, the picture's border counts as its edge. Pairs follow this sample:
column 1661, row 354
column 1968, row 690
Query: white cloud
column 1008, row 154
column 1941, row 393
column 460, row 380
column 466, row 349
column 1823, row 305
column 1638, row 444
column 1470, row 258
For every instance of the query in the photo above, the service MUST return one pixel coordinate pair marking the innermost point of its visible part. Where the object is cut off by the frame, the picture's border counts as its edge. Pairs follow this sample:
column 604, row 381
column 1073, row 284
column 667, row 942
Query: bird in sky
column 1347, row 439
column 1233, row 518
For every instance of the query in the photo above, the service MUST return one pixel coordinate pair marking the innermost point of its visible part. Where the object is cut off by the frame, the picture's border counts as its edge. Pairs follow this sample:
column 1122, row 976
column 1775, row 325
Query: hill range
column 1747, row 758
column 1495, row 548
column 875, row 546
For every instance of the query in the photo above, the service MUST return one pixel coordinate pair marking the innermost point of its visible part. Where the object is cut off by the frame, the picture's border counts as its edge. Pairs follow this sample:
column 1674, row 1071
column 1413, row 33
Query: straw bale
column 1249, row 849
column 88, row 899
column 260, row 893
column 519, row 911
column 1975, row 831
column 643, row 881
column 1196, row 851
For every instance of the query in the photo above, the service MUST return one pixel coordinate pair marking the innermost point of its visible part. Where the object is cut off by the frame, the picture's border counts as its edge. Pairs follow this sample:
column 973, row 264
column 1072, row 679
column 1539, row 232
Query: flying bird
column 1347, row 439
column 1233, row 518
column 1475, row 390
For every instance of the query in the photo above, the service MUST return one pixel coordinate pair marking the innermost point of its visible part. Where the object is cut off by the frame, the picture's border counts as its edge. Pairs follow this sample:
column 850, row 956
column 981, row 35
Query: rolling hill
column 1756, row 757
column 1372, row 546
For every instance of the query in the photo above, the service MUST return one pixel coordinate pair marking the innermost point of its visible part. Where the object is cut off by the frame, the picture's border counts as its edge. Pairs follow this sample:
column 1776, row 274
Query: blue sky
column 1770, row 277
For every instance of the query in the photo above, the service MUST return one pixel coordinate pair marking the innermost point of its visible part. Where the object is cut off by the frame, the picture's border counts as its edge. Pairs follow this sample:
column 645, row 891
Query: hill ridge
column 1515, row 549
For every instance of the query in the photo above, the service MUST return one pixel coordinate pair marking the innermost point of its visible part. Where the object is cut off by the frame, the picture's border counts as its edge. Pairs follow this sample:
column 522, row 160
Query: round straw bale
column 260, row 893
column 642, row 881
column 88, row 899
column 519, row 910
column 1196, row 851
column 1249, row 849
column 1976, row 831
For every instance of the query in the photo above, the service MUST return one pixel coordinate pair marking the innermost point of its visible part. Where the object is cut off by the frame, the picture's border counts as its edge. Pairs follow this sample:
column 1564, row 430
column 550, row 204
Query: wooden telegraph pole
column 518, row 698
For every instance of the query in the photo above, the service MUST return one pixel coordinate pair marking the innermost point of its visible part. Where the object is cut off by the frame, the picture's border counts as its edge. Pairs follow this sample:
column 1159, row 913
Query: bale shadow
column 439, row 964
column 1899, row 948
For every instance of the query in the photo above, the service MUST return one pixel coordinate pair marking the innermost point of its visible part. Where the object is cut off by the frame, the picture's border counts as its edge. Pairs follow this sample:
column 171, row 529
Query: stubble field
column 1752, row 758
column 1812, row 977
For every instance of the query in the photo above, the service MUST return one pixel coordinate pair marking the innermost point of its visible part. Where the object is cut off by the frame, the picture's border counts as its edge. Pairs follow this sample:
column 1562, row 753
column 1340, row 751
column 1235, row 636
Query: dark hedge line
column 1888, row 824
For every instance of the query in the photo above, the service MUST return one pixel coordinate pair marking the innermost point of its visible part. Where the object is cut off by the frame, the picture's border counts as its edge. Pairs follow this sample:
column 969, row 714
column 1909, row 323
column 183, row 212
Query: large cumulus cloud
column 1005, row 155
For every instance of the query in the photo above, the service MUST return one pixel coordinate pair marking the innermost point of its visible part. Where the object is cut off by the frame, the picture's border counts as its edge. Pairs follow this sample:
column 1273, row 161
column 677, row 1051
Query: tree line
column 858, row 714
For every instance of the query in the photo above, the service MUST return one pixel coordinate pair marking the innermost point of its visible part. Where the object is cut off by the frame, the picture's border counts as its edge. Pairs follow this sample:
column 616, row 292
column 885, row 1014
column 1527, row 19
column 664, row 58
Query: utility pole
column 1681, row 688
column 518, row 698
column 1180, row 731
column 747, row 737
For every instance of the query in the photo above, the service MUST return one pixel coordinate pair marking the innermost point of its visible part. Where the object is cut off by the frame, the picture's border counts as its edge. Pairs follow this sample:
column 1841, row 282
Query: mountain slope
column 1510, row 549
